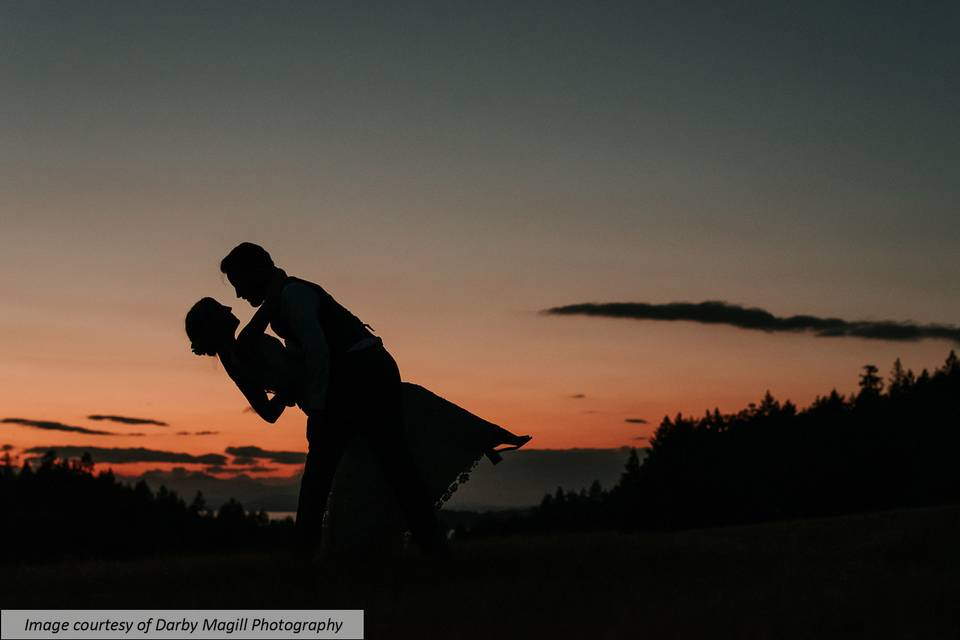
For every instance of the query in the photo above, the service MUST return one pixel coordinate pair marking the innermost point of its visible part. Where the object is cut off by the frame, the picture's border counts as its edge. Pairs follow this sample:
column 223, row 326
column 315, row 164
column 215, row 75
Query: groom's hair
column 246, row 257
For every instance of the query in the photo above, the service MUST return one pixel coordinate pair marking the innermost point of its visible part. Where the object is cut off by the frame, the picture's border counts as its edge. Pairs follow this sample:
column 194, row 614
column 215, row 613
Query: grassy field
column 883, row 575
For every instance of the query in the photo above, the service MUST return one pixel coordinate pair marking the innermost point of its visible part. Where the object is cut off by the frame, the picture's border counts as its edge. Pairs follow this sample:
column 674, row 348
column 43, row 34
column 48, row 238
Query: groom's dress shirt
column 299, row 309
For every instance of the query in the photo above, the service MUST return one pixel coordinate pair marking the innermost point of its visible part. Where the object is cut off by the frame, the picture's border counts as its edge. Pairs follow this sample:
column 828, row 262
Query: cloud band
column 719, row 312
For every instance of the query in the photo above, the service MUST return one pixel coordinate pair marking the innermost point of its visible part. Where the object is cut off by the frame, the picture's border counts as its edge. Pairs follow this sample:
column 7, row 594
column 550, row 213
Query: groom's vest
column 341, row 328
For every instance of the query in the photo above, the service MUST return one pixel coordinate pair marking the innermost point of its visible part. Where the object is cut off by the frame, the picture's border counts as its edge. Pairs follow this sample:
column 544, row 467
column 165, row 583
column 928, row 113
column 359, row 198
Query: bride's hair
column 204, row 325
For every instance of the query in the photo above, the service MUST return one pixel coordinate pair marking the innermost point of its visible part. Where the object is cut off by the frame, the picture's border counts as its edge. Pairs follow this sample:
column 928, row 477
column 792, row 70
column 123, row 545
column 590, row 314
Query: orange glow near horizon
column 570, row 382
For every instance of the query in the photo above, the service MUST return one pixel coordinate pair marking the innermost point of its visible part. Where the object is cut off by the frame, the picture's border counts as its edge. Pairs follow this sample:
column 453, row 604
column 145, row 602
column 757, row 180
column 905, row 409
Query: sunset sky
column 448, row 171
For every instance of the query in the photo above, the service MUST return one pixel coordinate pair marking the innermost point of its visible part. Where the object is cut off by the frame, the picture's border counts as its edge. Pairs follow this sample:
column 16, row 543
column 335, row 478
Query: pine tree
column 951, row 365
column 631, row 470
column 871, row 384
column 900, row 379
column 86, row 462
column 26, row 472
column 48, row 461
column 559, row 497
column 596, row 491
column 231, row 511
column 199, row 504
column 768, row 405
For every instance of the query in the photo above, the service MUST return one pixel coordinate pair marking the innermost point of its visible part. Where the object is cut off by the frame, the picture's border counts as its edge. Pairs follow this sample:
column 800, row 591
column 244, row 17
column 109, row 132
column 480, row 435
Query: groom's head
column 249, row 269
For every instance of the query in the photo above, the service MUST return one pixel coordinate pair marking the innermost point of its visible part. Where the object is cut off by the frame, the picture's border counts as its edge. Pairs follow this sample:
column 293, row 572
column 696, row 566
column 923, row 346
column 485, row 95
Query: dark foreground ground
column 885, row 575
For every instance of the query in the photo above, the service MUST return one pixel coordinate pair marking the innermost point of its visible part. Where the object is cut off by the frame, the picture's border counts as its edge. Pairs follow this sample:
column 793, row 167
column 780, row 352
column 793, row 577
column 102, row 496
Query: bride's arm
column 267, row 408
column 260, row 320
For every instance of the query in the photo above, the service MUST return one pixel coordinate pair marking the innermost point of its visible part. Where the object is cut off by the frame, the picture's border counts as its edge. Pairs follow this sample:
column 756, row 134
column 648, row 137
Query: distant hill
column 521, row 480
column 523, row 477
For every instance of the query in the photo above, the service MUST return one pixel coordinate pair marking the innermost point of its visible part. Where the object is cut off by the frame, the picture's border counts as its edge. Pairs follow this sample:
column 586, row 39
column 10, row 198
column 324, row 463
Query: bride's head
column 210, row 326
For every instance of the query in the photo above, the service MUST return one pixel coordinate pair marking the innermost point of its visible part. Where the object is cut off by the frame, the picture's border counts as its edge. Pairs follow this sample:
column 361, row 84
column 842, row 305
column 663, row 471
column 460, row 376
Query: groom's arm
column 300, row 309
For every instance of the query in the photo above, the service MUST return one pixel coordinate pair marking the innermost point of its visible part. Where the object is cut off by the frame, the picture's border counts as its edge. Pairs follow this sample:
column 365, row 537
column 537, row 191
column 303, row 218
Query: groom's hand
column 285, row 398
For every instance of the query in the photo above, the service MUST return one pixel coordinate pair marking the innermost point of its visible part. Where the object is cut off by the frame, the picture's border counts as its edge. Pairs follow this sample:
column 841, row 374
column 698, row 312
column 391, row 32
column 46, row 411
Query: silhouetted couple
column 340, row 374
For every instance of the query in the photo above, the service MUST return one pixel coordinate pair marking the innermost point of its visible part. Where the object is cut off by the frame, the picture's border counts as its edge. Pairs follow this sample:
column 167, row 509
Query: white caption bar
column 189, row 623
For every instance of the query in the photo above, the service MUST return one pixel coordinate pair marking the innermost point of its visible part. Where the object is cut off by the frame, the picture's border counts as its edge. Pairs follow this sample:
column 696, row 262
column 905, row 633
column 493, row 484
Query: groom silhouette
column 351, row 383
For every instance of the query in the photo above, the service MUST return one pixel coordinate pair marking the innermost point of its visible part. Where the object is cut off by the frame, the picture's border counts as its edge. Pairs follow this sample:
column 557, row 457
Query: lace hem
column 461, row 479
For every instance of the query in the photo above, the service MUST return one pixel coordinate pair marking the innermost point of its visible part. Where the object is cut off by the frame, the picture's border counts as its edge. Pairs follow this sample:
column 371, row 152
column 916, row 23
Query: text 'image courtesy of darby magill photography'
column 473, row 320
column 184, row 624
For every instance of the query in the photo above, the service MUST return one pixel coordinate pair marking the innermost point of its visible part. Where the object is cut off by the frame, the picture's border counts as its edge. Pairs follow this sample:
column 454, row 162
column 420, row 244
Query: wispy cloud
column 280, row 457
column 577, row 396
column 119, row 455
column 636, row 421
column 126, row 420
column 50, row 425
column 197, row 433
column 719, row 312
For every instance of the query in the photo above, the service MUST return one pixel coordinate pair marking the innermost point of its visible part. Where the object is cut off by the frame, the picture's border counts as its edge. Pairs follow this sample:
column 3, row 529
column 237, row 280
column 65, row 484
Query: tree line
column 55, row 508
column 893, row 443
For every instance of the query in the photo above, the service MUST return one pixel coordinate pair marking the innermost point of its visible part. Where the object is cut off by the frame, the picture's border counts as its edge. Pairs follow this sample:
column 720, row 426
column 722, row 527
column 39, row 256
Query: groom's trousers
column 364, row 393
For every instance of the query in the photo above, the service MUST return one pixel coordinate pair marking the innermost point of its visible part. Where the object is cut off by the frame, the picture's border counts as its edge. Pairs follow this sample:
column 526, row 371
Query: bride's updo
column 206, row 324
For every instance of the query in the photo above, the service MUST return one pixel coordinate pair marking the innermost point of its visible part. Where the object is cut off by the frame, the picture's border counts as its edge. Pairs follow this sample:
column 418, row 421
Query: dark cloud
column 641, row 438
column 636, row 421
column 253, row 469
column 56, row 426
column 577, row 396
column 118, row 455
column 718, row 312
column 126, row 420
column 244, row 461
column 197, row 433
column 8, row 447
column 279, row 457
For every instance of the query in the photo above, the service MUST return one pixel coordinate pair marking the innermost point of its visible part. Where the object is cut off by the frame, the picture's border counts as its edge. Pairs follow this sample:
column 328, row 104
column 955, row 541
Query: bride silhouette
column 434, row 449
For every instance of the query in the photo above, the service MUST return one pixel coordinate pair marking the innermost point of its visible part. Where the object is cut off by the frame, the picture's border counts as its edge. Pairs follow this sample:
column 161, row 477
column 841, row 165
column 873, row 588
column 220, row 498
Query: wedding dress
column 446, row 442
